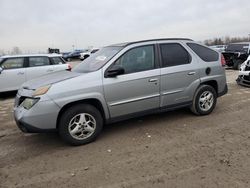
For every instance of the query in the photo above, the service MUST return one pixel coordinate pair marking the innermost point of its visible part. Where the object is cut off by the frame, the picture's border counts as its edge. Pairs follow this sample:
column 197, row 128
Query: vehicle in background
column 53, row 50
column 236, row 53
column 123, row 81
column 73, row 55
column 219, row 48
column 244, row 73
column 86, row 54
column 17, row 69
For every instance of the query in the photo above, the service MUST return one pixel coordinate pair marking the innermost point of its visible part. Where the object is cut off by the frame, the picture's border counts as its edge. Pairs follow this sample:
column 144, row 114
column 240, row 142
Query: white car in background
column 15, row 70
column 244, row 73
column 219, row 48
column 85, row 55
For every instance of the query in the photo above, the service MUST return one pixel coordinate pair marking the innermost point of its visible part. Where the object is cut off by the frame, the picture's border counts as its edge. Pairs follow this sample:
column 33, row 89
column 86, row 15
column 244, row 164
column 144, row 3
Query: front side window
column 13, row 63
column 173, row 54
column 57, row 61
column 137, row 59
column 38, row 61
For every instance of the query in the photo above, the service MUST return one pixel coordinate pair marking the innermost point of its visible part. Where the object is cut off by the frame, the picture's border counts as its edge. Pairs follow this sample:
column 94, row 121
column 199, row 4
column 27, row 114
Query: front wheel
column 80, row 124
column 204, row 100
column 237, row 64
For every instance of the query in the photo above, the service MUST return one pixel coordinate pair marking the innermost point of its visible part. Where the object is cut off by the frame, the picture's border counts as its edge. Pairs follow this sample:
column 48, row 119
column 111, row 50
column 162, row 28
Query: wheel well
column 212, row 83
column 96, row 103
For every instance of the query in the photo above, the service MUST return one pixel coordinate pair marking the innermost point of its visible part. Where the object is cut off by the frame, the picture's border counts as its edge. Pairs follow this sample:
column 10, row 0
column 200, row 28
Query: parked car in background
column 15, row 70
column 236, row 53
column 73, row 55
column 219, row 48
column 123, row 81
column 86, row 54
column 244, row 73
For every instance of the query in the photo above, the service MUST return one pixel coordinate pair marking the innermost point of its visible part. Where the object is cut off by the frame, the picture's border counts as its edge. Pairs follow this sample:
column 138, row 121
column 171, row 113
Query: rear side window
column 57, row 61
column 206, row 54
column 38, row 61
column 173, row 54
column 13, row 63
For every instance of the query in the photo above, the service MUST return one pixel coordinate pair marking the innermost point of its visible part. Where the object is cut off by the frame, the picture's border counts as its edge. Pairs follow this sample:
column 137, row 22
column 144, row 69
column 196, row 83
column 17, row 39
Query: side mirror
column 1, row 70
column 114, row 71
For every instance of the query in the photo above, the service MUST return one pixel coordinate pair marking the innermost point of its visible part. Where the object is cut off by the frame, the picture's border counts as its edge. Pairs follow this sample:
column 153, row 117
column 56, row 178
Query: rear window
column 173, row 54
column 206, row 54
column 57, row 61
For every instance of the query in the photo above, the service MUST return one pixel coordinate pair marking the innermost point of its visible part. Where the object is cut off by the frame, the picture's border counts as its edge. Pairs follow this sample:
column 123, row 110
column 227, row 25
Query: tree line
column 225, row 40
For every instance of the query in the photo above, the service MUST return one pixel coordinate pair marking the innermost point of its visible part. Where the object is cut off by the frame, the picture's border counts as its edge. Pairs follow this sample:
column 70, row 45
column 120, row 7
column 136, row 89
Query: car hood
column 49, row 79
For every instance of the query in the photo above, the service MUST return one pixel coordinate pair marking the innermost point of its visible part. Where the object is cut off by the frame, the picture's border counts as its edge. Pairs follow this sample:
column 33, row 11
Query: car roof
column 150, row 40
column 32, row 55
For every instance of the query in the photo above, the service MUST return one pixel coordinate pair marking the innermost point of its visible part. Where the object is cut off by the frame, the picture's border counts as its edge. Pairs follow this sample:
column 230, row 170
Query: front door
column 136, row 90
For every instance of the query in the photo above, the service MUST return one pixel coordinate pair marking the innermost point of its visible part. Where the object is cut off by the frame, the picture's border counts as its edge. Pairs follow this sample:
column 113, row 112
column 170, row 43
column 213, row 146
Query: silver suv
column 119, row 82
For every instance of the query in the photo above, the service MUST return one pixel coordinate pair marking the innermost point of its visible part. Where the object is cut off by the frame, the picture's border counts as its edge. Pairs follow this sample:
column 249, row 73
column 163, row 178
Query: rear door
column 13, row 74
column 38, row 66
column 179, row 77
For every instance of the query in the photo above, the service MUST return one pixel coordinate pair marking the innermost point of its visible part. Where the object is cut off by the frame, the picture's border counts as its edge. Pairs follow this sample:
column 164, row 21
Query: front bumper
column 42, row 117
column 244, row 80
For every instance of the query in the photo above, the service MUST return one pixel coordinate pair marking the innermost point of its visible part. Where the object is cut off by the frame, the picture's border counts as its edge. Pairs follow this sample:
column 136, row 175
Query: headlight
column 29, row 102
column 41, row 90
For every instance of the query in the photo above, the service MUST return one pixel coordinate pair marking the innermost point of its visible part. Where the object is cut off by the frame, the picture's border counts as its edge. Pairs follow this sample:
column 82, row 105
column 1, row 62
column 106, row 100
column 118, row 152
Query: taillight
column 69, row 67
column 223, row 61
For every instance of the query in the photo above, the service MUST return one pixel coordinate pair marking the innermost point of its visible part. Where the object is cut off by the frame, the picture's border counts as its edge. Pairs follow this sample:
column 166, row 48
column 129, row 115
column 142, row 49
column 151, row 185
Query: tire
column 74, row 130
column 237, row 64
column 206, row 107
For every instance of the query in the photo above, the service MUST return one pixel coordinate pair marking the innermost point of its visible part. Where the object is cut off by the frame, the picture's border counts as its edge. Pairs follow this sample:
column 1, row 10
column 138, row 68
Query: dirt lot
column 174, row 149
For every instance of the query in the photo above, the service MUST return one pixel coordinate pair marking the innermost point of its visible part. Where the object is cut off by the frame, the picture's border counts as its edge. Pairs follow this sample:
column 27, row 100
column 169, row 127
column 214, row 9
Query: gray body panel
column 121, row 95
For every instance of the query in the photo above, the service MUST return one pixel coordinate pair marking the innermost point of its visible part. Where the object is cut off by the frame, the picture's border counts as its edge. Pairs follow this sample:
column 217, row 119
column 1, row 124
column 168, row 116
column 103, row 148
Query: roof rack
column 149, row 40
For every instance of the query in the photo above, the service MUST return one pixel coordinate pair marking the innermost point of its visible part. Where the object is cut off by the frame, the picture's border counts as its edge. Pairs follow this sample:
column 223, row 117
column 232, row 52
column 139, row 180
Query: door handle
column 153, row 80
column 20, row 73
column 49, row 70
column 191, row 73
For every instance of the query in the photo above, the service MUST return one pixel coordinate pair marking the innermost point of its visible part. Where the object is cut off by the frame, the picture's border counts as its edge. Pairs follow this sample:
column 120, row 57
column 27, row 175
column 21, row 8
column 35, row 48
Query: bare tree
column 16, row 50
column 225, row 40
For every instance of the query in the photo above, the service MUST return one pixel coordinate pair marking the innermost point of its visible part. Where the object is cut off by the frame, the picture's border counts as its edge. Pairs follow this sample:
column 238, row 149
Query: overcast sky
column 38, row 24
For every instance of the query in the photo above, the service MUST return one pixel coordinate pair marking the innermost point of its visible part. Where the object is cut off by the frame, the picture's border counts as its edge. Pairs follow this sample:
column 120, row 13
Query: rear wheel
column 80, row 124
column 204, row 100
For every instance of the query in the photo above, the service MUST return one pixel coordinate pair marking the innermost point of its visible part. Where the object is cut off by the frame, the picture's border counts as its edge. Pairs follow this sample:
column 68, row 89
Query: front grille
column 247, row 78
column 247, row 68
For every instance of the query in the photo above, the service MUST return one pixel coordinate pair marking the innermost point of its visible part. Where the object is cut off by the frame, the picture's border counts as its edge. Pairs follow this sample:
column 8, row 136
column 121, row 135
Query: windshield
column 97, row 60
column 238, row 47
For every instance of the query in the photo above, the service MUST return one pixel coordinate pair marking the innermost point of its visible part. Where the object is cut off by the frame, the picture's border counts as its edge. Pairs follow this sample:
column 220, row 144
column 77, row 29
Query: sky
column 35, row 25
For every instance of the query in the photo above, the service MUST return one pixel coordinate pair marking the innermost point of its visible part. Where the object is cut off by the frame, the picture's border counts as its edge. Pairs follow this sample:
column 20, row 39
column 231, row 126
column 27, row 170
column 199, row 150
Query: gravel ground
column 174, row 149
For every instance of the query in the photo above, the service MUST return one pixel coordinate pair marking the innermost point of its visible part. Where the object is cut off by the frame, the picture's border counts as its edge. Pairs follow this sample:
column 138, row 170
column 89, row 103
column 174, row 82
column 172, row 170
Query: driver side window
column 137, row 59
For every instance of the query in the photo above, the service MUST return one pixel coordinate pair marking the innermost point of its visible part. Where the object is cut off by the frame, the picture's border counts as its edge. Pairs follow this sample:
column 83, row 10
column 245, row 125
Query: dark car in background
column 236, row 53
column 73, row 55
